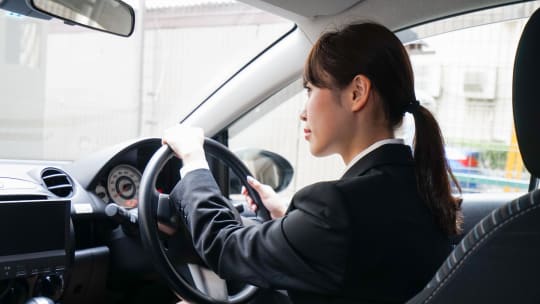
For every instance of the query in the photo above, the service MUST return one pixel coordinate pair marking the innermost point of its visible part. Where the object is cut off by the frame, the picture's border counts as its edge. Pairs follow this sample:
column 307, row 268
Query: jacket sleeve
column 305, row 250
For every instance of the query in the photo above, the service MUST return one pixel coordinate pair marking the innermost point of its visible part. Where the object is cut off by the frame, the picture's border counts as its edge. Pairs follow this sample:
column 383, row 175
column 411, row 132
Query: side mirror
column 268, row 167
column 111, row 16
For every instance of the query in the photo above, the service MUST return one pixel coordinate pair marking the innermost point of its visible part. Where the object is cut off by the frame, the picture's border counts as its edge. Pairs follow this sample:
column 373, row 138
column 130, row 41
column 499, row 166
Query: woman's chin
column 317, row 151
column 314, row 151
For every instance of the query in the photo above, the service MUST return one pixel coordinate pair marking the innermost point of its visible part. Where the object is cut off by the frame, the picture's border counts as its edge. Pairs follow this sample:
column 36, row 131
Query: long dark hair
column 374, row 51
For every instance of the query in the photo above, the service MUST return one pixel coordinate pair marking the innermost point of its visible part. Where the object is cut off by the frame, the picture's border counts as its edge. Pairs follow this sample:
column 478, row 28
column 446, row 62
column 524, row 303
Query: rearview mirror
column 267, row 167
column 111, row 16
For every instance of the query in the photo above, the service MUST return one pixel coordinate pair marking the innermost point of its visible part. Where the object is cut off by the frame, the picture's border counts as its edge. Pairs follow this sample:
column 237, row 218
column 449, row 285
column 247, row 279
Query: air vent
column 22, row 197
column 57, row 182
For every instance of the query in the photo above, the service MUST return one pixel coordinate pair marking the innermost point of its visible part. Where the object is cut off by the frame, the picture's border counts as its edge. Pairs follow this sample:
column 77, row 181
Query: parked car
column 464, row 163
column 83, row 110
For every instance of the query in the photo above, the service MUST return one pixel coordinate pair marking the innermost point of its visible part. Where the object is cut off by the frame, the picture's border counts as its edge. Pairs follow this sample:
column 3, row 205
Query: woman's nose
column 303, row 116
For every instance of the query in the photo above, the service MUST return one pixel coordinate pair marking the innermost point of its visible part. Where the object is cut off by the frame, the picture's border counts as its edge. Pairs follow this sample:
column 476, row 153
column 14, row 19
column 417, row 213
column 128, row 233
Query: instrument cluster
column 122, row 186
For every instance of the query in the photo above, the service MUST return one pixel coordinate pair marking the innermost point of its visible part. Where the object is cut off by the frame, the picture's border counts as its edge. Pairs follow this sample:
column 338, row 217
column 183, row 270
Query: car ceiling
column 316, row 16
column 315, row 8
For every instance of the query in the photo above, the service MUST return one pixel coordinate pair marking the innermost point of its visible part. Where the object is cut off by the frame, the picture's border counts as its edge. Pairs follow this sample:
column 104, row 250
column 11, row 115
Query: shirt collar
column 374, row 146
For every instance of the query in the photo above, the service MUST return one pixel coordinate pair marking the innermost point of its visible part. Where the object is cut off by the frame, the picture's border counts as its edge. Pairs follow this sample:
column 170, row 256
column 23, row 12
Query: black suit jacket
column 366, row 238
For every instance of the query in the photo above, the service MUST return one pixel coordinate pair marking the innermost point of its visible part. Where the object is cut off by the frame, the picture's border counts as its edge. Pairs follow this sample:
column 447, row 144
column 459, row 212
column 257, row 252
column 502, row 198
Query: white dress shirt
column 359, row 156
column 198, row 164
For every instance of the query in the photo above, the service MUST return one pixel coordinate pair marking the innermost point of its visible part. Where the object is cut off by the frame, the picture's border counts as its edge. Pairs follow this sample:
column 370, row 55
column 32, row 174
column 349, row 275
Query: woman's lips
column 307, row 133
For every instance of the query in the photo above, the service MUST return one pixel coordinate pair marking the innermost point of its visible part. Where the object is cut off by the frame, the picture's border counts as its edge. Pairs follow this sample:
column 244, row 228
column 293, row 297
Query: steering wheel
column 153, row 204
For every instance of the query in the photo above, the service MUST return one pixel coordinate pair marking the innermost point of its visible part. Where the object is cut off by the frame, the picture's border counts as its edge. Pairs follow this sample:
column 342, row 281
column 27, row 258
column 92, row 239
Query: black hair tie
column 412, row 106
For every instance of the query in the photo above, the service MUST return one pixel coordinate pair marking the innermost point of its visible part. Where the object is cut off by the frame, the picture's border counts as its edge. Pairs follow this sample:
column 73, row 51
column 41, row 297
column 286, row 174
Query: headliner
column 316, row 16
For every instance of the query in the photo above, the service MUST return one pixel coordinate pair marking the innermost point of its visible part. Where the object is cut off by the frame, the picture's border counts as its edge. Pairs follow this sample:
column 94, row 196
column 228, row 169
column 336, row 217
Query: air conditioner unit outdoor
column 479, row 84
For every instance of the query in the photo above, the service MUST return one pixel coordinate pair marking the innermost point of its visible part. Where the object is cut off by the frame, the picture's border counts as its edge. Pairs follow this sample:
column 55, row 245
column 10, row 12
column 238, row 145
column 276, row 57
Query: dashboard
column 57, row 239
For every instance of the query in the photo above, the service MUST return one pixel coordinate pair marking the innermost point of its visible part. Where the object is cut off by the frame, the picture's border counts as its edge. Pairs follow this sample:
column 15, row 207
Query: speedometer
column 123, row 185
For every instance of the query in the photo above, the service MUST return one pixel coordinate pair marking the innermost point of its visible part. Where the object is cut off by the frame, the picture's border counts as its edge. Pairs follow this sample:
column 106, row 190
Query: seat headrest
column 526, row 94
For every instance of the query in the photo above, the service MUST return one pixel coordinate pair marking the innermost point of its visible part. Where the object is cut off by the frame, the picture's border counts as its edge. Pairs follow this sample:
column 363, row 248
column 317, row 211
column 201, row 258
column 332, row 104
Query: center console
column 34, row 240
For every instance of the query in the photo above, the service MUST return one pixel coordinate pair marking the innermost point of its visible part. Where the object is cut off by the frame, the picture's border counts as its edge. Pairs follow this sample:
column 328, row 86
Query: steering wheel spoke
column 167, row 216
column 209, row 282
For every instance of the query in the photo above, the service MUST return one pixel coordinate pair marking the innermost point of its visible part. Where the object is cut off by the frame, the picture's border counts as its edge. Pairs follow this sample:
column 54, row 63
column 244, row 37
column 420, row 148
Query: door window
column 463, row 74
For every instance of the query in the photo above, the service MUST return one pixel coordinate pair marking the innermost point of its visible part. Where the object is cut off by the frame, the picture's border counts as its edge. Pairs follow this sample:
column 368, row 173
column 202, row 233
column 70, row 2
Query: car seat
column 498, row 261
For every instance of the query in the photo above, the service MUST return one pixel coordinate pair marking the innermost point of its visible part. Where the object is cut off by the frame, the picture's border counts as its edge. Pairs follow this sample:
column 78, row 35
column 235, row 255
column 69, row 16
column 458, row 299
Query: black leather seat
column 477, row 207
column 498, row 261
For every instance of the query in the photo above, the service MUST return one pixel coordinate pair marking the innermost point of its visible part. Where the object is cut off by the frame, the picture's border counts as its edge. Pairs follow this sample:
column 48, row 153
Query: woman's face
column 327, row 123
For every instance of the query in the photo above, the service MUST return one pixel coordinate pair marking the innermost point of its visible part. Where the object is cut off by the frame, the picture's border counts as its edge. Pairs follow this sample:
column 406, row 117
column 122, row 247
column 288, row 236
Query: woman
column 376, row 235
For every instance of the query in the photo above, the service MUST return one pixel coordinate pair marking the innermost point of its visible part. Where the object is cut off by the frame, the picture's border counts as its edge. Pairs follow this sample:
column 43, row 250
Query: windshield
column 68, row 91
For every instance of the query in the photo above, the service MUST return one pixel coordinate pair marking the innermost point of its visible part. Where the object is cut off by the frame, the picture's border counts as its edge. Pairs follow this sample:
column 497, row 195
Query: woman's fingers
column 253, row 207
column 249, row 200
column 262, row 189
column 259, row 188
column 269, row 198
column 185, row 141
column 254, row 183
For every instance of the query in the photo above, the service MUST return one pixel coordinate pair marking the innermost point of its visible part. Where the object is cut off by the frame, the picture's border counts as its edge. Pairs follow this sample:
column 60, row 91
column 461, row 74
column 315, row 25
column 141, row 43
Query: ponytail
column 433, row 173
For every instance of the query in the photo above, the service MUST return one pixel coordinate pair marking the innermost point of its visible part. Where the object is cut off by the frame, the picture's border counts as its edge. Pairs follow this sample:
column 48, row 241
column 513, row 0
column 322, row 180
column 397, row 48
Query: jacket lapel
column 384, row 155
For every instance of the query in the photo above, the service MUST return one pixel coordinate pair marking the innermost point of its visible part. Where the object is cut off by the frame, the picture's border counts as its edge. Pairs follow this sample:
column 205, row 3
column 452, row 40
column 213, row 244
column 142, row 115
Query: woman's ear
column 361, row 89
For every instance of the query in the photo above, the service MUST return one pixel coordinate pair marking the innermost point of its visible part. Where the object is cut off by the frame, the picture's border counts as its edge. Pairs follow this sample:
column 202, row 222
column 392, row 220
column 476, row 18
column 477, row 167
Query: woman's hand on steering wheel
column 271, row 200
column 186, row 143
